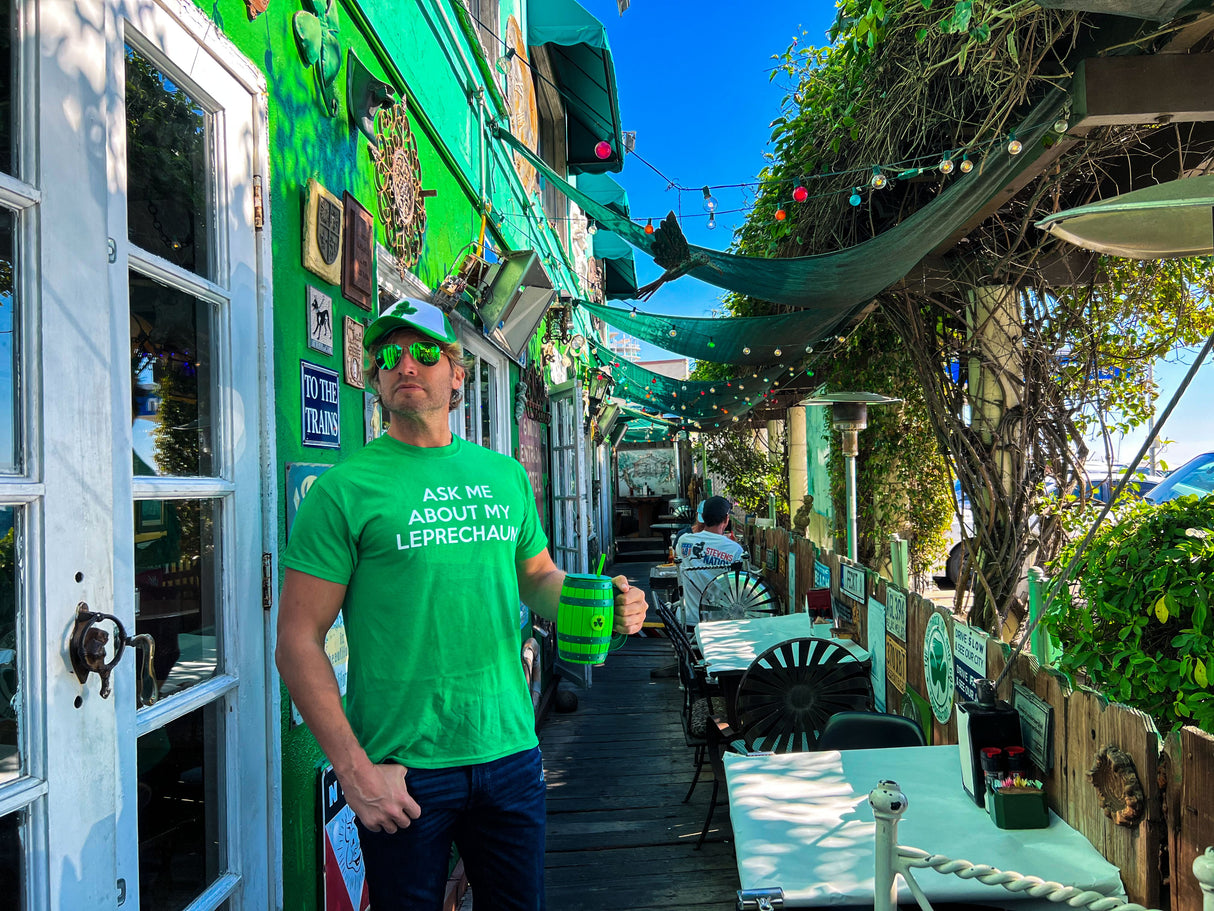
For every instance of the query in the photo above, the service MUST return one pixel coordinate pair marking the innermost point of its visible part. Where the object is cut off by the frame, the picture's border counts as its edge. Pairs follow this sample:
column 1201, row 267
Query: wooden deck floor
column 619, row 836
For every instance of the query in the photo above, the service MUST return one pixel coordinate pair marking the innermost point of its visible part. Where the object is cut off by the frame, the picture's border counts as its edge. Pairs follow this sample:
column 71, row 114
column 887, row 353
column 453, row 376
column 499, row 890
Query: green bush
column 1135, row 617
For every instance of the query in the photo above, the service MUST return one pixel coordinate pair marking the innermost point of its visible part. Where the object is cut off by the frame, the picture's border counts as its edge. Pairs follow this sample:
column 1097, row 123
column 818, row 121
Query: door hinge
column 267, row 581
column 259, row 212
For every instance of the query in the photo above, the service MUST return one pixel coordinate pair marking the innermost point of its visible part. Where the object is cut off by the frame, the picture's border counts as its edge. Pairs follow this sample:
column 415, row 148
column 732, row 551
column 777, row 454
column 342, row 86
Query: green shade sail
column 1161, row 10
column 585, row 77
column 1172, row 219
column 783, row 339
column 688, row 404
column 845, row 280
column 619, row 262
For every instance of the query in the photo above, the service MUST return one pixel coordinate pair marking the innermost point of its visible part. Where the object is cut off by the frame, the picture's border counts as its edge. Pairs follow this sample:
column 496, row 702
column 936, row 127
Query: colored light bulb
column 800, row 194
column 602, row 150
column 649, row 226
column 781, row 214
column 854, row 199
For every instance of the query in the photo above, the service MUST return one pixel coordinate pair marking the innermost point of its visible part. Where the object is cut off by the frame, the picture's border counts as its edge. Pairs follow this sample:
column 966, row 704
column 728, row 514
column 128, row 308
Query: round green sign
column 938, row 667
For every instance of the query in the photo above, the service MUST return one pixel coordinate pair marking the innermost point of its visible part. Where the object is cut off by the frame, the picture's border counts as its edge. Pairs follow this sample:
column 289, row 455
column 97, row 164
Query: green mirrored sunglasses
column 425, row 353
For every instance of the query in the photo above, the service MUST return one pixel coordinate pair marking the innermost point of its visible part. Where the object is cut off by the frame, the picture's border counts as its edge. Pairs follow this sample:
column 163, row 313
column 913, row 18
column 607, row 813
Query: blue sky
column 694, row 83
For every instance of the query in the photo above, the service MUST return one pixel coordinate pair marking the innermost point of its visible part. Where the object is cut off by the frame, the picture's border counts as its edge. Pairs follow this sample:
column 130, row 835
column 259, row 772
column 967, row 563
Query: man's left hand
column 630, row 607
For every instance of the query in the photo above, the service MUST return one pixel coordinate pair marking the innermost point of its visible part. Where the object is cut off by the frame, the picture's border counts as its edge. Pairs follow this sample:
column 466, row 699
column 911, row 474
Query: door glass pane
column 181, row 802
column 12, row 860
column 176, row 593
column 171, row 381
column 486, row 403
column 169, row 167
column 8, row 341
column 9, row 72
column 10, row 659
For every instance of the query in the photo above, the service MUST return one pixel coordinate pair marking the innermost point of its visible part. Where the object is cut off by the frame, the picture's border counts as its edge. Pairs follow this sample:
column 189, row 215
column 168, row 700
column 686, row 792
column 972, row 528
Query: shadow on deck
column 619, row 836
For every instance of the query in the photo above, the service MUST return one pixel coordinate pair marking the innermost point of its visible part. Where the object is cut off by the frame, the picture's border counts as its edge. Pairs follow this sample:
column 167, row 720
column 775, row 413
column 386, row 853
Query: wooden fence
column 1156, row 850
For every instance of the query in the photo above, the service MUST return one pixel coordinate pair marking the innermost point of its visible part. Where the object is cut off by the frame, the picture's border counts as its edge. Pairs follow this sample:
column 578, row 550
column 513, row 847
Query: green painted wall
column 403, row 43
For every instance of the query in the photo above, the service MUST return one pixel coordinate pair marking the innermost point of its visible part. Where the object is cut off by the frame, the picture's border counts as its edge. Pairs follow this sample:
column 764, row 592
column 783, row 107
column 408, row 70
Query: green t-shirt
column 427, row 541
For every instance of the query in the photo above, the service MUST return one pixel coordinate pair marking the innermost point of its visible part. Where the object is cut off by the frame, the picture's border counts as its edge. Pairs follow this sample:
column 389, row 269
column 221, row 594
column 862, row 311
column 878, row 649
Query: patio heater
column 849, row 415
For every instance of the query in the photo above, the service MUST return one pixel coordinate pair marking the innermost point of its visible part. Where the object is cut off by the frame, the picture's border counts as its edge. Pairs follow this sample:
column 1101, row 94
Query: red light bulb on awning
column 602, row 150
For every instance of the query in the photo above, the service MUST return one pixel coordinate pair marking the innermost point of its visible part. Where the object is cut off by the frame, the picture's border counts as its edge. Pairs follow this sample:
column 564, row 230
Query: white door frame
column 84, row 828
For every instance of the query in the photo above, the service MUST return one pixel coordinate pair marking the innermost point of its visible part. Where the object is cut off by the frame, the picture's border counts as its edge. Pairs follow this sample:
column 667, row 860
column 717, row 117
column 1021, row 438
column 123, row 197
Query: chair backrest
column 869, row 731
column 735, row 594
column 789, row 691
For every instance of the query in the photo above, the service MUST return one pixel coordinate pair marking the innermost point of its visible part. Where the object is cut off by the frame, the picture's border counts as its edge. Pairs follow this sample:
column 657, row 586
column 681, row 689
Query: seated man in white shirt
column 701, row 555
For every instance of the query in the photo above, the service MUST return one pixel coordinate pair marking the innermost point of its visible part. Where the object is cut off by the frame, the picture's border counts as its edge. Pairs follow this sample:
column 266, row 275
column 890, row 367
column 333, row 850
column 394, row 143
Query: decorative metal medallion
column 402, row 201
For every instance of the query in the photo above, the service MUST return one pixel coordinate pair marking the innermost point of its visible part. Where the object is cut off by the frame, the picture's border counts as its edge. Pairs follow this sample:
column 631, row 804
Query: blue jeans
column 493, row 812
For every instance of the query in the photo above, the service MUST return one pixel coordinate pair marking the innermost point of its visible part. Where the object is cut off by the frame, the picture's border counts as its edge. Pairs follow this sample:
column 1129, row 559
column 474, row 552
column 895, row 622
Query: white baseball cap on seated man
column 411, row 313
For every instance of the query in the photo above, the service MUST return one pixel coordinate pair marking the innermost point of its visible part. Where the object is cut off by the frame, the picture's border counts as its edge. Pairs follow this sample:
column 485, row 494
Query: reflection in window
column 11, row 747
column 12, row 859
column 168, row 166
column 8, row 341
column 176, row 576
column 181, row 819
column 171, row 407
column 9, row 74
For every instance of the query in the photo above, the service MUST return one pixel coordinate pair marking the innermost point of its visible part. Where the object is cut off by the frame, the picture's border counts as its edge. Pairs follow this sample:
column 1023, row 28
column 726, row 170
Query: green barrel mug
column 584, row 619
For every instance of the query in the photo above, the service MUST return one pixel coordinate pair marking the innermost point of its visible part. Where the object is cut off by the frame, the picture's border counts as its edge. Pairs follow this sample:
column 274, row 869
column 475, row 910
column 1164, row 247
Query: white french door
column 132, row 407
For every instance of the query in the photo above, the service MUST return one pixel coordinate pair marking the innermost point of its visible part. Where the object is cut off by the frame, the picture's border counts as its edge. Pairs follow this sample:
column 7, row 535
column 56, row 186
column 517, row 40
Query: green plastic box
column 1013, row 809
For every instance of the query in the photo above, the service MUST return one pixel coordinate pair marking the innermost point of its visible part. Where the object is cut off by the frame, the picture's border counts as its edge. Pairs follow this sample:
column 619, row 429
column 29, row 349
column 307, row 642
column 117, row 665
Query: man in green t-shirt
column 426, row 543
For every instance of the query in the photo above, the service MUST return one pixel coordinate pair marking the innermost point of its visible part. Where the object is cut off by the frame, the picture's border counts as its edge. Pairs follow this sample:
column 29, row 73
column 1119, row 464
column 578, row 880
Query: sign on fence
column 895, row 663
column 876, row 635
column 969, row 654
column 895, row 612
column 851, row 582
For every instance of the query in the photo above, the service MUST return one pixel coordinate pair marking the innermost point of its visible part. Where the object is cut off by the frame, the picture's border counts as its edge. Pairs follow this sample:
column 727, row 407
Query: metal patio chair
column 789, row 691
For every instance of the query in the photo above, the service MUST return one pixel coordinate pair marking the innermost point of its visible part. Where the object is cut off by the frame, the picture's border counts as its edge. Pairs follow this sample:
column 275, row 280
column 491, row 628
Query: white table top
column 731, row 645
column 802, row 821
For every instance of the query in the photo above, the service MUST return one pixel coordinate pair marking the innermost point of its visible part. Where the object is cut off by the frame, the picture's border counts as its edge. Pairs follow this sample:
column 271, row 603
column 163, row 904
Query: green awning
column 1172, row 219
column 585, row 77
column 616, row 254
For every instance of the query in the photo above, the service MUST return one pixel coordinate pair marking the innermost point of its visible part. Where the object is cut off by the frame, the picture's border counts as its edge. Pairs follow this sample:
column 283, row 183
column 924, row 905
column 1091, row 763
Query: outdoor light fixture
column 849, row 415
column 503, row 62
column 602, row 150
column 710, row 202
column 600, row 384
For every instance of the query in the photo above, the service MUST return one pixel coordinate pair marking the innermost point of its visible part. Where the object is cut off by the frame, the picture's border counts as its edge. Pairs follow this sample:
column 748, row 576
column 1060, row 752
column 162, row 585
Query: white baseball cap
column 410, row 313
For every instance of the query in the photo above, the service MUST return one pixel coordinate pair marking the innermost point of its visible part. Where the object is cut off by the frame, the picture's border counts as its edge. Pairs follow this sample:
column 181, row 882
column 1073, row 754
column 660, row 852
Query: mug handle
column 618, row 640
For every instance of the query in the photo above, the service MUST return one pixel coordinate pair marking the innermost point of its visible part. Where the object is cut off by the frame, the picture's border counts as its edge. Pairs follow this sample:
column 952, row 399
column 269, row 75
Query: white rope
column 1014, row 882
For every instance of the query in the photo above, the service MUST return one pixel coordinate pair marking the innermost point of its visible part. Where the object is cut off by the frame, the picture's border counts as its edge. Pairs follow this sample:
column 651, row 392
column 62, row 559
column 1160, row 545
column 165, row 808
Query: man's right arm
column 306, row 610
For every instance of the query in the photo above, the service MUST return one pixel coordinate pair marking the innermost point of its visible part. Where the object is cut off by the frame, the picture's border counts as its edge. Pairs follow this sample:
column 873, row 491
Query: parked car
column 1104, row 480
column 1195, row 476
